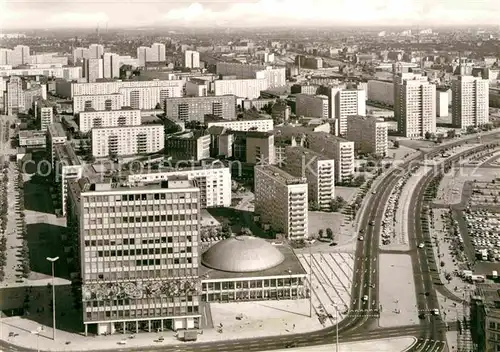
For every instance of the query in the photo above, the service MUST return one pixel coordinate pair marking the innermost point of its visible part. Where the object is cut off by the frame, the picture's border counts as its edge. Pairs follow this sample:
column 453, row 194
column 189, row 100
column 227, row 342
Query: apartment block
column 281, row 201
column 485, row 318
column 69, row 73
column 155, row 53
column 127, row 140
column 414, row 105
column 349, row 102
column 44, row 112
column 93, row 69
column 312, row 105
column 336, row 148
column 197, row 87
column 213, row 179
column 244, row 88
column 188, row 146
column 195, row 108
column 275, row 76
column 381, row 92
column 261, row 125
column 317, row 169
column 369, row 134
column 470, row 105
column 67, row 167
column 109, row 118
column 191, row 59
column 55, row 136
column 253, row 147
column 148, row 260
column 14, row 96
column 111, row 65
column 99, row 102
column 442, row 103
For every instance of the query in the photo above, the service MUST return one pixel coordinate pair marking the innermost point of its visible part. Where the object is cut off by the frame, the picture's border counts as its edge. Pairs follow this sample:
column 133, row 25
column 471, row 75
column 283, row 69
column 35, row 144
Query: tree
column 158, row 106
column 329, row 233
column 428, row 135
column 451, row 133
column 245, row 231
column 320, row 233
column 396, row 144
column 337, row 204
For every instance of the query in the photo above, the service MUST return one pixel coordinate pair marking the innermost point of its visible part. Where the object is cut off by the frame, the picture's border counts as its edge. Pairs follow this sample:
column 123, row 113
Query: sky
column 20, row 14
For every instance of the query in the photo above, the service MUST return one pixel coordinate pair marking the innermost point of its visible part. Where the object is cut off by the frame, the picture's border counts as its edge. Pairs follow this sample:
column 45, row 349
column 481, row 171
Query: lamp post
column 37, row 333
column 336, row 328
column 52, row 261
column 310, row 280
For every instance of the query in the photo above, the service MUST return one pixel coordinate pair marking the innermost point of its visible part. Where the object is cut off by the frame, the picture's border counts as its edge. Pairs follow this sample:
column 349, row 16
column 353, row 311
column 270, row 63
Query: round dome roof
column 242, row 254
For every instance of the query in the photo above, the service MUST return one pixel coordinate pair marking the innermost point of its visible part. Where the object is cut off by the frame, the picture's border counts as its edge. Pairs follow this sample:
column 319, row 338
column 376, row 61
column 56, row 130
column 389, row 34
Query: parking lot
column 484, row 230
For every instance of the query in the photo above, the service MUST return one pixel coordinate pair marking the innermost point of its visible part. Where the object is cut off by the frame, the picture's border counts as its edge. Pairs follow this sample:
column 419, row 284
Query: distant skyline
column 37, row 14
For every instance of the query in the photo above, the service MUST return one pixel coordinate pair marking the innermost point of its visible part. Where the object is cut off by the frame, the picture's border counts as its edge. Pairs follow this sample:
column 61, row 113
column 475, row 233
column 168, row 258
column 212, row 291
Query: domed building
column 250, row 268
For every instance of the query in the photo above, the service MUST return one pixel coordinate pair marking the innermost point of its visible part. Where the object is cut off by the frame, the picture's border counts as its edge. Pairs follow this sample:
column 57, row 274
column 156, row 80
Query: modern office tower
column 95, row 51
column 67, row 167
column 187, row 146
column 442, row 103
column 197, row 87
column 155, row 53
column 281, row 201
column 110, row 118
column 55, row 135
column 213, row 179
column 111, row 65
column 261, row 125
column 470, row 105
column 349, row 102
column 275, row 76
column 20, row 55
column 44, row 111
column 317, row 169
column 312, row 105
column 369, row 134
column 414, row 105
column 97, row 102
column 191, row 59
column 195, row 108
column 381, row 92
column 248, row 88
column 14, row 102
column 138, row 250
column 92, row 69
column 127, row 140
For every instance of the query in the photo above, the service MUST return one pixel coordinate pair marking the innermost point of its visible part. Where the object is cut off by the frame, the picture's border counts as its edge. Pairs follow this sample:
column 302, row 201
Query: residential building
column 108, row 118
column 213, row 179
column 317, row 169
column 67, row 167
column 381, row 92
column 55, row 136
column 281, row 201
column 31, row 139
column 253, row 147
column 191, row 59
column 97, row 102
column 485, row 318
column 470, row 106
column 68, row 73
column 197, row 87
column 188, row 146
column 369, row 134
column 414, row 105
column 312, row 105
column 95, row 51
column 34, row 92
column 111, row 65
column 195, row 108
column 248, row 88
column 275, row 76
column 442, row 103
column 262, row 125
column 349, row 102
column 153, row 261
column 93, row 69
column 44, row 112
column 127, row 140
column 155, row 53
column 14, row 102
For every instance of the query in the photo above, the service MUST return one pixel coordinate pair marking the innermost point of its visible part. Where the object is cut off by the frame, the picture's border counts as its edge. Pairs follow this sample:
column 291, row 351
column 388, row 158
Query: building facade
column 191, row 59
column 55, row 136
column 109, row 118
column 281, row 201
column 312, row 106
column 127, row 140
column 155, row 53
column 67, row 167
column 414, row 105
column 470, row 105
column 349, row 102
column 99, row 102
column 276, row 77
column 195, row 108
column 261, row 125
column 138, row 272
column 14, row 102
column 381, row 92
column 93, row 69
column 317, row 169
column 442, row 103
column 248, row 88
column 369, row 134
column 44, row 111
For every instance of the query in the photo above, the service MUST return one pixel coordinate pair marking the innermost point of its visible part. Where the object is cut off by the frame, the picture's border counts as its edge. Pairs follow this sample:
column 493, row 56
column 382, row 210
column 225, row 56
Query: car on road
column 291, row 345
column 421, row 245
column 435, row 311
column 365, row 298
column 362, row 231
column 372, row 223
column 421, row 316
column 372, row 285
column 374, row 192
column 361, row 238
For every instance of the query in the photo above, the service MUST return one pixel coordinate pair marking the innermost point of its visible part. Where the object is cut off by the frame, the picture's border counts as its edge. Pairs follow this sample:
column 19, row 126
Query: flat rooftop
column 290, row 266
column 65, row 153
column 56, row 130
column 280, row 175
column 32, row 134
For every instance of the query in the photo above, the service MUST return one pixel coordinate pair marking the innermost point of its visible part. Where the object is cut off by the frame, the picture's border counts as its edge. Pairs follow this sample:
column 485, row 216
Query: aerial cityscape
column 250, row 176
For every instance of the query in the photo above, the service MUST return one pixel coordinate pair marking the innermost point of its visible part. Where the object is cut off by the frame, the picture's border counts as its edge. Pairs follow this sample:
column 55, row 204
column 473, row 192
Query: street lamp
column 37, row 333
column 52, row 261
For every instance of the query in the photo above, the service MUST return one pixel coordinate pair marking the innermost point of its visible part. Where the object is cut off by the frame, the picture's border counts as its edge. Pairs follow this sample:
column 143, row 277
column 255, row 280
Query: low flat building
column 188, row 146
column 67, row 167
column 32, row 139
column 127, row 140
column 55, row 136
column 369, row 134
column 281, row 201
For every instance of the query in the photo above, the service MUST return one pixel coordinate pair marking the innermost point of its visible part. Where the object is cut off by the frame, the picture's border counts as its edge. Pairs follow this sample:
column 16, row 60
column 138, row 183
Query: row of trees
column 24, row 252
column 4, row 209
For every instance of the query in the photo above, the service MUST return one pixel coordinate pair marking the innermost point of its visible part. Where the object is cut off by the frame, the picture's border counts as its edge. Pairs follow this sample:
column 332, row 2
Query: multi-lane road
column 360, row 322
